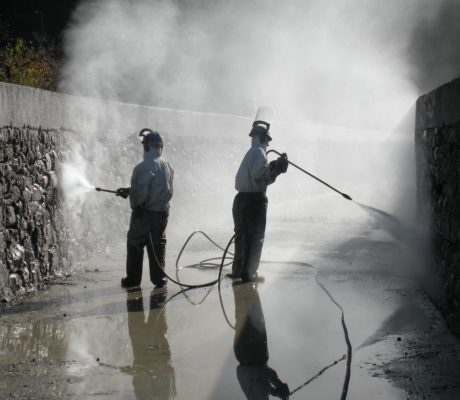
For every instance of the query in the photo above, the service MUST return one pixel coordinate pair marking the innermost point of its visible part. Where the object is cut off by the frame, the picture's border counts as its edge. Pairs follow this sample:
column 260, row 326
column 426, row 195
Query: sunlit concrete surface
column 89, row 338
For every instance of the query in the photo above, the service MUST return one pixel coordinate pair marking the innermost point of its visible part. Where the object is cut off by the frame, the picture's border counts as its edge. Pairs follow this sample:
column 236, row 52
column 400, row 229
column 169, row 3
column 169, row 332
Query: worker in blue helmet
column 250, row 204
column 149, row 196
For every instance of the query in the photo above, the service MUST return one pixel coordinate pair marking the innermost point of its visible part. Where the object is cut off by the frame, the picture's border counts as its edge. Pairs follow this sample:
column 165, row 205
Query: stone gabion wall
column 32, row 234
column 437, row 141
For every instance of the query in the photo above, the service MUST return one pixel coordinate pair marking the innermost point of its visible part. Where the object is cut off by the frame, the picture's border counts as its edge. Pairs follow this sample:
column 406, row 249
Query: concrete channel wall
column 21, row 106
column 437, row 138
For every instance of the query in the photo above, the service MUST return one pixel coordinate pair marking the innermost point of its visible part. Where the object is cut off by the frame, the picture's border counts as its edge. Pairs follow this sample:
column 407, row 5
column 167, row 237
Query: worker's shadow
column 152, row 370
column 256, row 378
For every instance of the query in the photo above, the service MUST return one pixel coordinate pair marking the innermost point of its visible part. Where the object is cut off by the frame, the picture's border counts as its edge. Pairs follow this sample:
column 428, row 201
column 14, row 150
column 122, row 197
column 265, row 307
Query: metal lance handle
column 98, row 189
column 313, row 176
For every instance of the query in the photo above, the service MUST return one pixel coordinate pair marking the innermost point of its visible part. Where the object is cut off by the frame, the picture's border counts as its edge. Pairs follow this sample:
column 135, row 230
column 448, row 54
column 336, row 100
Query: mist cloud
column 327, row 61
column 358, row 63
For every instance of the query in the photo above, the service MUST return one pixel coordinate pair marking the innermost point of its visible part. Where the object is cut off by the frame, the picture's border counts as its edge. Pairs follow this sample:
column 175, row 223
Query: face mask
column 263, row 142
column 257, row 141
column 153, row 152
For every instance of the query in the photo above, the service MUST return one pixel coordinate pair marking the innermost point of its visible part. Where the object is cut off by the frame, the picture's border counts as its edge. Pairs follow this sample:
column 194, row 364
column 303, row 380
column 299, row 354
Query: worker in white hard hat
column 149, row 195
column 250, row 204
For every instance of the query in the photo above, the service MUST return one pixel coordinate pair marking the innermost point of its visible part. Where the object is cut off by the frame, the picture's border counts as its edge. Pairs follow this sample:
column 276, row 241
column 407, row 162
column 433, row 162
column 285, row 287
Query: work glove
column 283, row 163
column 273, row 167
column 280, row 390
column 122, row 192
column 278, row 166
column 278, row 387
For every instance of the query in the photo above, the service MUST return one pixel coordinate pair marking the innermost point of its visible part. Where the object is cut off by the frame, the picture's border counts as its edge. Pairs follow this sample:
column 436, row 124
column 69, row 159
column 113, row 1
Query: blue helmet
column 152, row 138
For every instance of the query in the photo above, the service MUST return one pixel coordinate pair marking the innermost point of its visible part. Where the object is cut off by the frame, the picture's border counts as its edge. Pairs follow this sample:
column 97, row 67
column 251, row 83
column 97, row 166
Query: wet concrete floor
column 86, row 337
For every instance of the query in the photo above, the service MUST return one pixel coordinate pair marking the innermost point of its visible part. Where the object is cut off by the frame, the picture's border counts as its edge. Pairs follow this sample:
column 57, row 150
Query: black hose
column 317, row 375
column 344, row 325
column 212, row 283
column 219, row 279
column 347, row 341
column 177, row 282
column 321, row 285
column 346, row 196
column 210, row 265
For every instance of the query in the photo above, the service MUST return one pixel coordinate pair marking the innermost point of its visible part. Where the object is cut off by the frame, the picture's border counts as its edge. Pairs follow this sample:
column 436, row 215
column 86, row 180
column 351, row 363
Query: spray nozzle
column 98, row 189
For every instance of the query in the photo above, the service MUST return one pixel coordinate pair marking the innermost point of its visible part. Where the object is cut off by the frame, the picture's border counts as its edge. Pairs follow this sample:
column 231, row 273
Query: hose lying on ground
column 221, row 265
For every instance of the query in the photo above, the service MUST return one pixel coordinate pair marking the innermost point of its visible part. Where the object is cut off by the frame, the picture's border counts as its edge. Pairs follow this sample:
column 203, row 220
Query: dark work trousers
column 249, row 216
column 142, row 223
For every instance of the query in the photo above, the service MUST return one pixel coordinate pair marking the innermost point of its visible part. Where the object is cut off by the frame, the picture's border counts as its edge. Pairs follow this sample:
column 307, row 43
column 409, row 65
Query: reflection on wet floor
column 33, row 340
column 92, row 339
column 141, row 344
column 152, row 369
column 256, row 378
column 128, row 345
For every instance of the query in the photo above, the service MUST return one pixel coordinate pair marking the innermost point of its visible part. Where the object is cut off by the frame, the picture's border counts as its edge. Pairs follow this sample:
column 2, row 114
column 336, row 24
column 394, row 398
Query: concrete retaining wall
column 437, row 139
column 21, row 106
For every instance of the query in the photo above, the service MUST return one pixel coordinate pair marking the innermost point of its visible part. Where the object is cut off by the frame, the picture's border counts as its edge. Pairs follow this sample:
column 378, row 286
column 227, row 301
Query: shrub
column 23, row 64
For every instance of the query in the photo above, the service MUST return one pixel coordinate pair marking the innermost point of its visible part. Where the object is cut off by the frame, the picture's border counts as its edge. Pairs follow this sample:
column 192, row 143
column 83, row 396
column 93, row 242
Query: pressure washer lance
column 98, row 189
column 313, row 176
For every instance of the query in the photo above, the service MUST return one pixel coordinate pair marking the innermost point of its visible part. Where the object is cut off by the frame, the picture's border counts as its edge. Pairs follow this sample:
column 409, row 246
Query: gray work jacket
column 254, row 174
column 152, row 185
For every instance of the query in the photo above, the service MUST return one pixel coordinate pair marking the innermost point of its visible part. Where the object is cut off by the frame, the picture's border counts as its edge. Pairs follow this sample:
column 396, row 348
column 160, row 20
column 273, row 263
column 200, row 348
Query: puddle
column 127, row 345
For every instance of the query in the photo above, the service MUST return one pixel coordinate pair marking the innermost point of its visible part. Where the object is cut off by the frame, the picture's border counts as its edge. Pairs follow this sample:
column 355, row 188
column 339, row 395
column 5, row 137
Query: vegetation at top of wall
column 27, row 63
